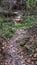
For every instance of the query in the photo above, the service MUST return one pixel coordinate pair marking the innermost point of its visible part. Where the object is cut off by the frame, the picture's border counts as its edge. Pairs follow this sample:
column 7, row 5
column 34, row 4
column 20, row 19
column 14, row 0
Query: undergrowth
column 9, row 28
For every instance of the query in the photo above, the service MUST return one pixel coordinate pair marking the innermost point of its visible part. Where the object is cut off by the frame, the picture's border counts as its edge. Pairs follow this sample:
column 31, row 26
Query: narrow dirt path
column 13, row 57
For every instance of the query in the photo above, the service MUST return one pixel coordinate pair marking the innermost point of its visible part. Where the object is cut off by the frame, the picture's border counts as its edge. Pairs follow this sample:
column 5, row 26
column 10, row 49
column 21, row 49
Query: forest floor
column 18, row 42
column 16, row 52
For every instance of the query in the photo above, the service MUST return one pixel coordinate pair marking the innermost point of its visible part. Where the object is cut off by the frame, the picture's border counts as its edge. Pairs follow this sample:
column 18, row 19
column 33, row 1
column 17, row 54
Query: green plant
column 5, row 26
column 1, row 20
column 24, row 41
column 29, row 21
column 31, row 4
column 13, row 30
column 1, row 32
column 8, row 33
column 30, row 47
column 18, row 25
